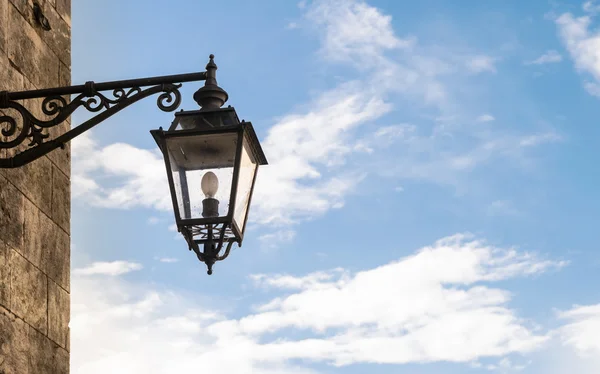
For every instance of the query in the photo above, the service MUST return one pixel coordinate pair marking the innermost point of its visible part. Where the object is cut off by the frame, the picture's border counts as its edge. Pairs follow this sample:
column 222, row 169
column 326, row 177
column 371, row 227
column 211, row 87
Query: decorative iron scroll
column 59, row 109
column 213, row 245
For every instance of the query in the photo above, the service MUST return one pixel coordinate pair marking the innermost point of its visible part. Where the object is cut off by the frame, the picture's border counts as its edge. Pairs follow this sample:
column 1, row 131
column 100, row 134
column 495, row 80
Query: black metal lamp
column 211, row 157
column 211, row 160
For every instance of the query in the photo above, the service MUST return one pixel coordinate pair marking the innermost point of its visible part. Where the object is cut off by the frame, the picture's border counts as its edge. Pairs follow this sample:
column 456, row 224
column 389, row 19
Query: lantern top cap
column 211, row 62
column 211, row 96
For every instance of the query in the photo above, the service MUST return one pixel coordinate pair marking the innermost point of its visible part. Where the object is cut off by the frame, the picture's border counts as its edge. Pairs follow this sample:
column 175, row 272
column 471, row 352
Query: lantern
column 212, row 160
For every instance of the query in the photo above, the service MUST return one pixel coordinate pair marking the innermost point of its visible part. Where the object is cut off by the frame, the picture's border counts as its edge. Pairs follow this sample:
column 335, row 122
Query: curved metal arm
column 56, row 106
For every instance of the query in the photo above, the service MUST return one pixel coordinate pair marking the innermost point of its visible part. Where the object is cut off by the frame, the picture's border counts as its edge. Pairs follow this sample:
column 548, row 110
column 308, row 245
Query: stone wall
column 35, row 201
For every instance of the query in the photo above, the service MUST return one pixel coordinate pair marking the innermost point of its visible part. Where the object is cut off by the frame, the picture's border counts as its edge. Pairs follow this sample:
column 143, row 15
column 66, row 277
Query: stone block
column 58, row 314
column 64, row 73
column 4, row 274
column 61, row 200
column 28, row 292
column 21, row 6
column 34, row 180
column 3, row 25
column 10, row 78
column 15, row 349
column 59, row 37
column 26, row 50
column 64, row 9
column 46, row 245
column 34, row 234
column 58, row 258
column 11, row 214
column 46, row 356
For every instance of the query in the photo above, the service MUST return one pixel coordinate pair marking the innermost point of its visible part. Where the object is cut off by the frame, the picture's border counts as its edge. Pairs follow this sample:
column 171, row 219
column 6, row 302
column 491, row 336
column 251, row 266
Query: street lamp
column 211, row 158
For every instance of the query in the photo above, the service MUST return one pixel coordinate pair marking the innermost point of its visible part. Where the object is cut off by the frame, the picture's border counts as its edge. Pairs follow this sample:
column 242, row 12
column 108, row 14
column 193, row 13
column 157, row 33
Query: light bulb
column 210, row 184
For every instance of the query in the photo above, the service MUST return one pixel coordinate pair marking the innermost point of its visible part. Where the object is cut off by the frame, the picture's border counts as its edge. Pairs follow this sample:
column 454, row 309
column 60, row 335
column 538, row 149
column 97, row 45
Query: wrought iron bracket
column 15, row 129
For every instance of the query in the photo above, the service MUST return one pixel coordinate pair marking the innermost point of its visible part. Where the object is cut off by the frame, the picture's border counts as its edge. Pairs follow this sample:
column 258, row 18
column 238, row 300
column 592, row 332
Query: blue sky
column 430, row 203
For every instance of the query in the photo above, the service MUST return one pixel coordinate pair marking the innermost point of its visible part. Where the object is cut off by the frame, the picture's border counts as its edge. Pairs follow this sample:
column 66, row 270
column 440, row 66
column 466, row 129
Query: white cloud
column 592, row 88
column 549, row 57
column 591, row 7
column 108, row 268
column 582, row 329
column 439, row 304
column 481, row 63
column 168, row 260
column 293, row 187
column 354, row 31
column 503, row 207
column 485, row 118
column 583, row 46
column 276, row 239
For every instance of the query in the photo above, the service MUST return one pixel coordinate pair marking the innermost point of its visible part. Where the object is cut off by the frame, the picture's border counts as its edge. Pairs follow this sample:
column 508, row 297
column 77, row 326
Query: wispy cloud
column 549, row 57
column 485, row 118
column 113, row 268
column 481, row 64
column 591, row 7
column 310, row 148
column 583, row 45
column 276, row 239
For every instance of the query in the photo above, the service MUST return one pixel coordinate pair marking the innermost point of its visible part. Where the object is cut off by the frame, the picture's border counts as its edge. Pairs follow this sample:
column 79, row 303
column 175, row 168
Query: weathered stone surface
column 34, row 234
column 46, row 356
column 46, row 245
column 10, row 80
column 4, row 275
column 58, row 314
column 21, row 6
column 59, row 37
column 61, row 200
column 34, row 180
column 61, row 157
column 3, row 25
column 28, row 292
column 64, row 9
column 14, row 344
column 29, row 53
column 11, row 214
column 34, row 200
column 58, row 258
column 64, row 76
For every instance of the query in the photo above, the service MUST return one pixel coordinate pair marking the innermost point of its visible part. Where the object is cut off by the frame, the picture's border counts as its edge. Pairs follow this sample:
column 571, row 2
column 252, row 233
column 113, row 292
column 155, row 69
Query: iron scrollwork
column 58, row 109
column 212, row 244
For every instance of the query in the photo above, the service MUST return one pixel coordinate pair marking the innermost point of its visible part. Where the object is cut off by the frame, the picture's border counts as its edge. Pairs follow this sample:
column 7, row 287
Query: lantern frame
column 199, row 231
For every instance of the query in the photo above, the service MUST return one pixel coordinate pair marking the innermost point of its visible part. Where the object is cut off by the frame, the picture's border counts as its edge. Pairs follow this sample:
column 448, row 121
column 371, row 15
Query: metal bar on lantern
column 187, row 211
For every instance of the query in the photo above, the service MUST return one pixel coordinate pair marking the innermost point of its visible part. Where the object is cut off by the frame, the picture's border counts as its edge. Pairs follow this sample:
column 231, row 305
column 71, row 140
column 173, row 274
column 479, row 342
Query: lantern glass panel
column 248, row 168
column 191, row 157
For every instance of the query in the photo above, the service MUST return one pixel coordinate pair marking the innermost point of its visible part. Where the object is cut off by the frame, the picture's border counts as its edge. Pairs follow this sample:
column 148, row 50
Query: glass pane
column 248, row 167
column 191, row 158
column 203, row 151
